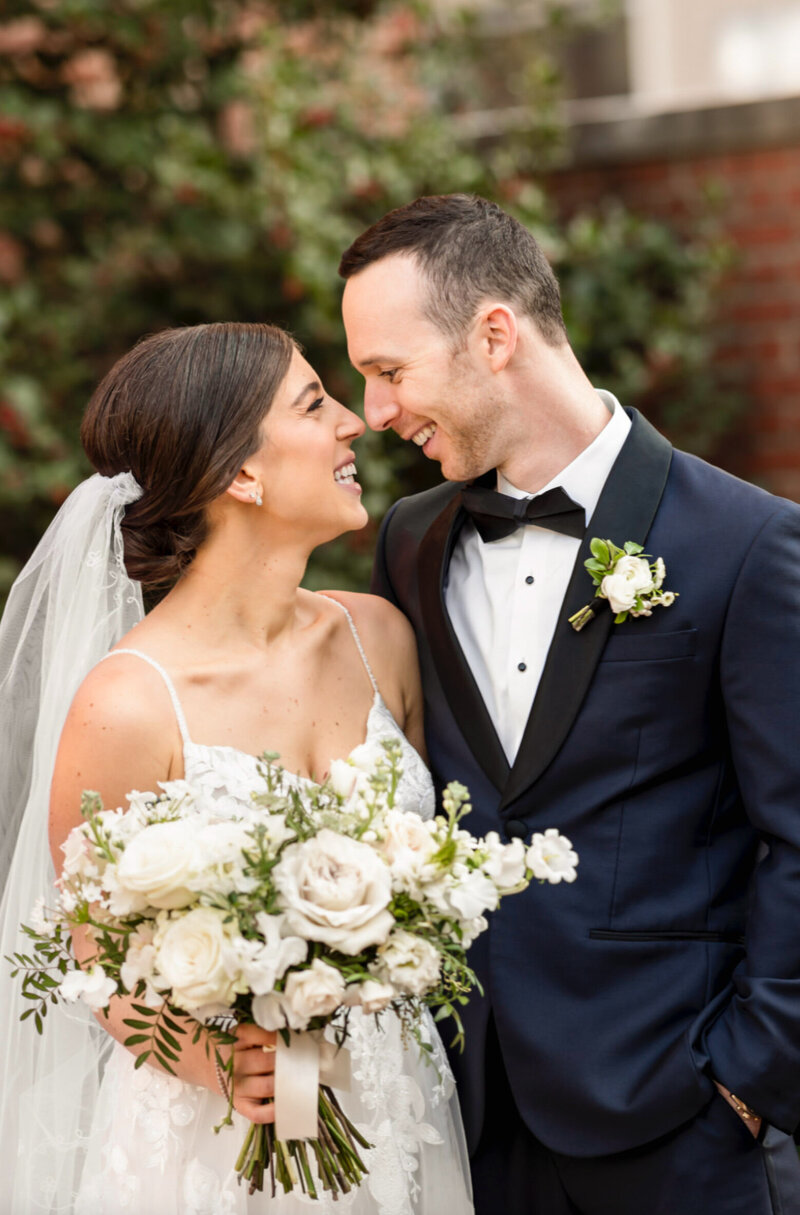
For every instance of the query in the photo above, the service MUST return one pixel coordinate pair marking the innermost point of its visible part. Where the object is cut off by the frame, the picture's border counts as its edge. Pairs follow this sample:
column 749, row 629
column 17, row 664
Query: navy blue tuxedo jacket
column 668, row 749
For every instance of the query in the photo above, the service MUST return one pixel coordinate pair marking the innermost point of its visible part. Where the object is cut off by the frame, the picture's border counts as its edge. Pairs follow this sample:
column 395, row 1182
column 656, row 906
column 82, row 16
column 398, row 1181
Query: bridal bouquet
column 290, row 913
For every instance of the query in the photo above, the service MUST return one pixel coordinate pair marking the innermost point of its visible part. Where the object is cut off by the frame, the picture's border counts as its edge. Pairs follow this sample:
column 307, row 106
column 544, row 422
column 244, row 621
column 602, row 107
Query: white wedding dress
column 153, row 1149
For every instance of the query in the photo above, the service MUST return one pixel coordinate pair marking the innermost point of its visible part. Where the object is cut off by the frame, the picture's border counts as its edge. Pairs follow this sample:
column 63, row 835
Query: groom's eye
column 389, row 375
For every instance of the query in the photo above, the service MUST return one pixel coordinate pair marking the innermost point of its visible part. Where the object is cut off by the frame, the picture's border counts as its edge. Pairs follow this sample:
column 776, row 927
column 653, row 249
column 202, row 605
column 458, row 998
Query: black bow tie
column 496, row 515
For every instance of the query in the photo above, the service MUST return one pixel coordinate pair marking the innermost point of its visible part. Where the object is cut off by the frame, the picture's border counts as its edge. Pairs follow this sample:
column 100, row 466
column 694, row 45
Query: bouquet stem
column 339, row 1165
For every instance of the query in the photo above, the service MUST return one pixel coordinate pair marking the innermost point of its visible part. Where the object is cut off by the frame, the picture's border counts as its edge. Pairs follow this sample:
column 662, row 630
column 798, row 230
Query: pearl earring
column 255, row 496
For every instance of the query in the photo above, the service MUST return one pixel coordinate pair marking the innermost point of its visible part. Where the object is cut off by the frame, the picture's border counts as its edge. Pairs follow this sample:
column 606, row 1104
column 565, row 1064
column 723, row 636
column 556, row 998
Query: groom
column 637, row 1050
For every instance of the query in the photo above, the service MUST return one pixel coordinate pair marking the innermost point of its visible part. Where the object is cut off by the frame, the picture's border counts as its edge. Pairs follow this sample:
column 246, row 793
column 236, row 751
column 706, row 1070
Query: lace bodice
column 226, row 771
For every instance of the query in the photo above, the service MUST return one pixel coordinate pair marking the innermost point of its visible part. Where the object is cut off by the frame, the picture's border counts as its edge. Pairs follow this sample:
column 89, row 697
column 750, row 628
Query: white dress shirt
column 503, row 597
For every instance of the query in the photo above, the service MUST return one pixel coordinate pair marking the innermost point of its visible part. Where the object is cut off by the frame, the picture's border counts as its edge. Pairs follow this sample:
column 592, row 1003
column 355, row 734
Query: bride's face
column 306, row 463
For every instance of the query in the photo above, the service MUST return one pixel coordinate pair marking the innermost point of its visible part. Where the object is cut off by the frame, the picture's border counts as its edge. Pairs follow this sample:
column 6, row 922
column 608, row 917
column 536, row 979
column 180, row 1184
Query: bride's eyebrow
column 314, row 386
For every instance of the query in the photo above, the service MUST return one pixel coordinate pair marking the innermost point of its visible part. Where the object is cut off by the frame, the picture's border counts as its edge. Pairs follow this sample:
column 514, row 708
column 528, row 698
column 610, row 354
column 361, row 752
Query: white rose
column 316, row 992
column 506, row 863
column 552, row 858
column 91, row 986
column 158, row 863
column 372, row 996
column 347, row 780
column 411, row 964
column 335, row 890
column 473, row 894
column 195, row 958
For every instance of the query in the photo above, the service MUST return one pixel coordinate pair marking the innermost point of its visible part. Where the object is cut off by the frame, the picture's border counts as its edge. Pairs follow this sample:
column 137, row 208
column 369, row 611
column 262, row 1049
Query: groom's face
column 415, row 382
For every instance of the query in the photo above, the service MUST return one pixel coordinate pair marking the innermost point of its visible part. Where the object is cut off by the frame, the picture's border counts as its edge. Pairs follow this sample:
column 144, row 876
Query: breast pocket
column 649, row 647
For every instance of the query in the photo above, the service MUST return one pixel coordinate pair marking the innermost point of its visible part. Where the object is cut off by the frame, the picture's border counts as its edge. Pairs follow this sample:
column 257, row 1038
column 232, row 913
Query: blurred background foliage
column 168, row 163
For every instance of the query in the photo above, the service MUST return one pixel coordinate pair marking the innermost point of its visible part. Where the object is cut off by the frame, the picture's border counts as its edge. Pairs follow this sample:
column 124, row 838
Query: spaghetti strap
column 173, row 695
column 357, row 640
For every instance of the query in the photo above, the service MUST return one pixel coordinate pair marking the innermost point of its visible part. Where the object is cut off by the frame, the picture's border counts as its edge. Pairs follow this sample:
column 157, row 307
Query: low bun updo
column 182, row 412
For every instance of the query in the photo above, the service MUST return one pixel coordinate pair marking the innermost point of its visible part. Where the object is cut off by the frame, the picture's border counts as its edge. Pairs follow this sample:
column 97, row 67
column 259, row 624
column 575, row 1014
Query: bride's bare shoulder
column 378, row 622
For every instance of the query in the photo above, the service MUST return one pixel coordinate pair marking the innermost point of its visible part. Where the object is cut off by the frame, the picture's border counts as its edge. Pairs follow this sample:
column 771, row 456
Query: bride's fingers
column 254, row 1088
column 255, row 1111
column 254, row 1062
column 249, row 1035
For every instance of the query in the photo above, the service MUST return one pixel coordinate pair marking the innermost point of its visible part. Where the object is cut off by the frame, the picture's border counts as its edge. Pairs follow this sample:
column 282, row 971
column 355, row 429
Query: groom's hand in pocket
column 749, row 1117
column 254, row 1073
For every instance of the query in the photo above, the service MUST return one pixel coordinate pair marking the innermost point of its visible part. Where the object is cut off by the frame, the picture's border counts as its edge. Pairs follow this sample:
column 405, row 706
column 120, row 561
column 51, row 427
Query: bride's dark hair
column 182, row 411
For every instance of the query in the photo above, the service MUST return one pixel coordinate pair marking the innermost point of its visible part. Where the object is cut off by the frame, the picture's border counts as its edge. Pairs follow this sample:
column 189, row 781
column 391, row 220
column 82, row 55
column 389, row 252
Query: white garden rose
column 335, row 890
column 506, row 863
column 551, row 857
column 196, row 959
column 410, row 963
column 316, row 992
column 372, row 996
column 159, row 862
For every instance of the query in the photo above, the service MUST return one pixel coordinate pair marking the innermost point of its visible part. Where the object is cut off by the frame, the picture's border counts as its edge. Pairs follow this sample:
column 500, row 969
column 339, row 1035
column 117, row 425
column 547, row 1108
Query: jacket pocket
column 610, row 934
column 650, row 647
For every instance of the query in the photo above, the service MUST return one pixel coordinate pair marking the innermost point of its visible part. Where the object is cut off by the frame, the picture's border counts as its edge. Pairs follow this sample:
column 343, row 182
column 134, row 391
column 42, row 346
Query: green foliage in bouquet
column 170, row 164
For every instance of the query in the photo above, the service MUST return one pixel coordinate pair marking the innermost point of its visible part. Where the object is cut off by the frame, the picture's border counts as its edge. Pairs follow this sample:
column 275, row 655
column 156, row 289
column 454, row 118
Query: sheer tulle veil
column 69, row 606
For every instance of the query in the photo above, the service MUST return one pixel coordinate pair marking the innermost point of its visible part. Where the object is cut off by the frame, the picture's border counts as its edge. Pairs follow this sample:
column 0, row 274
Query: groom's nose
column 380, row 408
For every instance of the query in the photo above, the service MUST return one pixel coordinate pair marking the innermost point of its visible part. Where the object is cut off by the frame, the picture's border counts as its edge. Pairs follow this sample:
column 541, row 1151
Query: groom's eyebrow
column 373, row 360
column 314, row 386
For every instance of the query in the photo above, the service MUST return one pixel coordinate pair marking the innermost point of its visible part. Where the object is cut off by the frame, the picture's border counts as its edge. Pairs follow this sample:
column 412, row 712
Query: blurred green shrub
column 170, row 163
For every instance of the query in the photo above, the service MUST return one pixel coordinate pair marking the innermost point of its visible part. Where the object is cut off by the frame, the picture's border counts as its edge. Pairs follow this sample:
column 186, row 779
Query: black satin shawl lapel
column 625, row 511
column 457, row 680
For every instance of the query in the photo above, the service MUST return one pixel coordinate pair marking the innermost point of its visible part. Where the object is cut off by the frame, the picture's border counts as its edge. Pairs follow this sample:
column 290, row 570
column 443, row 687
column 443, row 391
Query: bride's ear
column 246, row 488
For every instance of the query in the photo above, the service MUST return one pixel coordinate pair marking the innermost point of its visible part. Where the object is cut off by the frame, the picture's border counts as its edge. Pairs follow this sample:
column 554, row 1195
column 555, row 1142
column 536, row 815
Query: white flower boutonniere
column 632, row 583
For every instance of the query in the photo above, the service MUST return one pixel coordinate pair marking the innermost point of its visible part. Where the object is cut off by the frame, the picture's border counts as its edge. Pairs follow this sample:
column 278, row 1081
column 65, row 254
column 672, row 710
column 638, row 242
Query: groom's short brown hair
column 468, row 249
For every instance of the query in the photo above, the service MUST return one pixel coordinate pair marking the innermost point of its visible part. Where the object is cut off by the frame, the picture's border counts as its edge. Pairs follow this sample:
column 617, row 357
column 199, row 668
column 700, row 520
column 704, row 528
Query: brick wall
column 758, row 330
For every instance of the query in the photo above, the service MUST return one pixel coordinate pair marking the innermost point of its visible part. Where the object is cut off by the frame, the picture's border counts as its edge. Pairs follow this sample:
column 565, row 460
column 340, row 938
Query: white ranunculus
column 374, row 997
column 335, row 890
column 410, row 963
column 263, row 963
column 631, row 577
column 473, row 894
column 196, row 959
column 159, row 862
column 506, row 863
column 92, row 986
column 316, row 992
column 551, row 857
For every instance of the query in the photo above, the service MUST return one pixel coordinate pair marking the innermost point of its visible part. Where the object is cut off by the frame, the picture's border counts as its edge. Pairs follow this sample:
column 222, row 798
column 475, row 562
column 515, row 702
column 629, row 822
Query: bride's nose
column 349, row 425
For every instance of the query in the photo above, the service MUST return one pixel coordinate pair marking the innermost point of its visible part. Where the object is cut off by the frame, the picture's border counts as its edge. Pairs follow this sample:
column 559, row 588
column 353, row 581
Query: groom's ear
column 497, row 334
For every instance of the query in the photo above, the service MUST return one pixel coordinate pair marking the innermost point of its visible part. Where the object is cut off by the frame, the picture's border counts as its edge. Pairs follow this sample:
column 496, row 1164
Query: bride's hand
column 254, row 1073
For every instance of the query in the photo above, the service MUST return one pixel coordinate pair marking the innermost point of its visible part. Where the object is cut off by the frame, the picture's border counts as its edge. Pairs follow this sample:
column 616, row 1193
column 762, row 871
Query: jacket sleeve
column 754, row 1044
column 380, row 582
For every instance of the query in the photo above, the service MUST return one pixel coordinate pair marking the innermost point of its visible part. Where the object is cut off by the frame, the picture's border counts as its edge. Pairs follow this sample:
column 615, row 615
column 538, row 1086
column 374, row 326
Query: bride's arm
column 121, row 734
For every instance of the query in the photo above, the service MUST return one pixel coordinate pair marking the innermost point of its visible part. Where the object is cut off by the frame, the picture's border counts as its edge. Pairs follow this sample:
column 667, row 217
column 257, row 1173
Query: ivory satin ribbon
column 308, row 1061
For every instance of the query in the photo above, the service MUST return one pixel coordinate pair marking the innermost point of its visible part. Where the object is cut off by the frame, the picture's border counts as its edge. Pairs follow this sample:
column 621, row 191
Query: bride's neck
column 231, row 595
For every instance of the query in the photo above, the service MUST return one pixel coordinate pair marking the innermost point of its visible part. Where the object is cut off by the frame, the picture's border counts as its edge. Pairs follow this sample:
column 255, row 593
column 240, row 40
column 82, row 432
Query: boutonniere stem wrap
column 630, row 579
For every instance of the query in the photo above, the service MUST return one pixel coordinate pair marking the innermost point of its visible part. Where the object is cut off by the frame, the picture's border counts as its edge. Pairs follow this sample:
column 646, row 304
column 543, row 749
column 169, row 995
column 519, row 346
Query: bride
column 222, row 463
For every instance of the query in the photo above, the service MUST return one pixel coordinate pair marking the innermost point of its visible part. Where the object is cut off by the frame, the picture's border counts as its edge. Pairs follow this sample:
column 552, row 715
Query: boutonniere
column 632, row 584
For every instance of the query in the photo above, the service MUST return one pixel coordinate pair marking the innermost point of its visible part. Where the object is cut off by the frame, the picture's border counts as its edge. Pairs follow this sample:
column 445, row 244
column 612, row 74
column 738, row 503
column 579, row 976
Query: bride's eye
column 315, row 405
